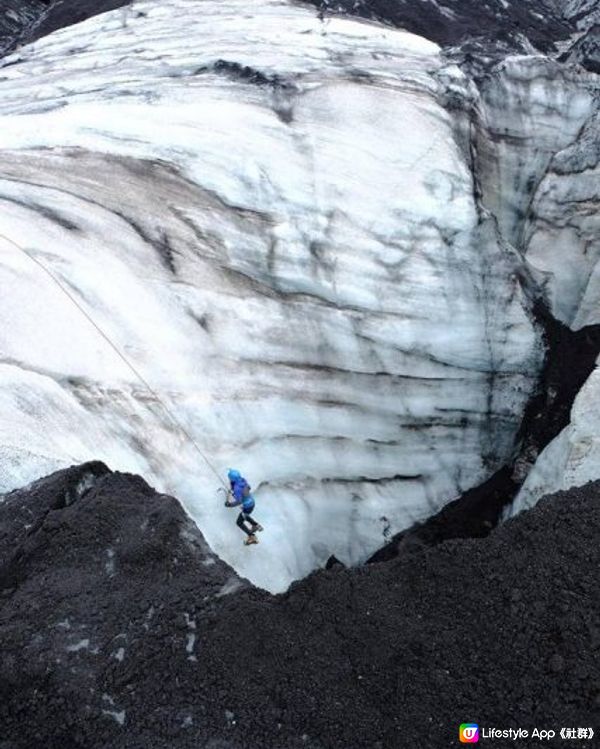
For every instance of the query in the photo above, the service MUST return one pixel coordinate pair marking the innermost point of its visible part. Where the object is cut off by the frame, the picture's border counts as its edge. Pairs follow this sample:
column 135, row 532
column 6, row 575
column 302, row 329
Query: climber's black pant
column 243, row 518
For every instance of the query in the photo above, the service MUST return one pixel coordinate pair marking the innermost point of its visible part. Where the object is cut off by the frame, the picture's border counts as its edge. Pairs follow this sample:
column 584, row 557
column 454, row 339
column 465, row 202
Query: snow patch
column 118, row 716
column 110, row 565
column 81, row 645
column 191, row 640
column 231, row 586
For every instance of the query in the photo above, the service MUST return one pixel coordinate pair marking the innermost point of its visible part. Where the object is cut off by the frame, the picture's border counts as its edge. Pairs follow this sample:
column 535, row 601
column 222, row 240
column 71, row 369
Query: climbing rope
column 172, row 417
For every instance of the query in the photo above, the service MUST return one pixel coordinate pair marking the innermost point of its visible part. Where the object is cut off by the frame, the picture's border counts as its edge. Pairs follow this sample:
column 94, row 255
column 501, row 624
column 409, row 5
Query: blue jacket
column 240, row 488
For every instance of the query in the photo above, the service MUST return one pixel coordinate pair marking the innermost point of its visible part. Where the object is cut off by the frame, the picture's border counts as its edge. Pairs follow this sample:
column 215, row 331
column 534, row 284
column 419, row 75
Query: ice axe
column 226, row 492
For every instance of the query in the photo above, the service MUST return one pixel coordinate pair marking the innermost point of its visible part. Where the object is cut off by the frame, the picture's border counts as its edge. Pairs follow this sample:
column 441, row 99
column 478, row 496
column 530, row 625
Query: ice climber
column 240, row 493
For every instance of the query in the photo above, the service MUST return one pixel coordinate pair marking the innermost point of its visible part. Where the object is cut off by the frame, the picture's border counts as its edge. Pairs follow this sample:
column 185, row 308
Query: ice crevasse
column 275, row 219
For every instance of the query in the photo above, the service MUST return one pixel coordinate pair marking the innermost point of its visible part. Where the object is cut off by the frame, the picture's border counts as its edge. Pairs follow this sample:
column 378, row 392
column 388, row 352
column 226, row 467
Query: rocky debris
column 505, row 23
column 586, row 50
column 69, row 12
column 583, row 13
column 570, row 360
column 95, row 568
column 121, row 629
column 15, row 16
column 473, row 515
column 334, row 563
column 23, row 21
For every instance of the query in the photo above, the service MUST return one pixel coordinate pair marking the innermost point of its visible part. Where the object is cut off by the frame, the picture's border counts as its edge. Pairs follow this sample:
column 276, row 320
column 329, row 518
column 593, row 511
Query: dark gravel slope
column 120, row 629
column 17, row 15
column 506, row 23
column 23, row 21
column 68, row 12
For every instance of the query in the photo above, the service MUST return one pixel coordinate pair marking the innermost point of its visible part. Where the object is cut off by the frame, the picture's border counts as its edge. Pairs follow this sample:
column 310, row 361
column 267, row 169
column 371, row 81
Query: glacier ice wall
column 563, row 235
column 540, row 169
column 540, row 176
column 274, row 219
